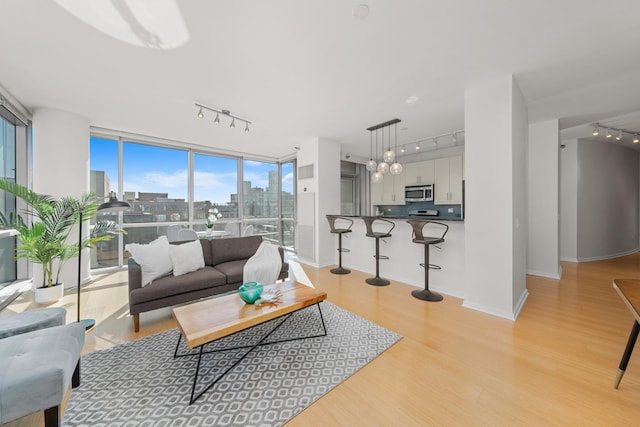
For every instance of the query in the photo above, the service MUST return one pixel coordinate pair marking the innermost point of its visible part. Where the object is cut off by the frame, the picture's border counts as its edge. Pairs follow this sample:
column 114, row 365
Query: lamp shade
column 113, row 205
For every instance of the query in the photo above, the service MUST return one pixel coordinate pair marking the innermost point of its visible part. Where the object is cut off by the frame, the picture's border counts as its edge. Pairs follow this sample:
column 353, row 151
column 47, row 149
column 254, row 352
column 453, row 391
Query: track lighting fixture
column 227, row 113
column 611, row 131
column 437, row 141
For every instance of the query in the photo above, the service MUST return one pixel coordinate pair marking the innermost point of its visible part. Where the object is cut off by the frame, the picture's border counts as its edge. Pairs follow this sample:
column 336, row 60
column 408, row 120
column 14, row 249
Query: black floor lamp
column 113, row 205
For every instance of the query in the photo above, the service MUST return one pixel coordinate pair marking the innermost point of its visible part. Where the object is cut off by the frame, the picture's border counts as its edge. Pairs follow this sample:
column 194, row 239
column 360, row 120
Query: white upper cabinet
column 419, row 173
column 388, row 192
column 448, row 181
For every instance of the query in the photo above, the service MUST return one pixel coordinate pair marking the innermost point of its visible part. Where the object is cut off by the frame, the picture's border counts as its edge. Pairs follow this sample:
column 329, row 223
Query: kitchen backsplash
column 403, row 210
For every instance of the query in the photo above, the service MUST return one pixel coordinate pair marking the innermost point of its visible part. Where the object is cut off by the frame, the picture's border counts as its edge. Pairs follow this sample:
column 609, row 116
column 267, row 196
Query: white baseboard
column 546, row 274
column 600, row 258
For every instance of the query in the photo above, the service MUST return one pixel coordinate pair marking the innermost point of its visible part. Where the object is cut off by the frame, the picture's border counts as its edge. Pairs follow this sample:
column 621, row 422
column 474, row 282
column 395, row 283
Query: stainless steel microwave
column 418, row 193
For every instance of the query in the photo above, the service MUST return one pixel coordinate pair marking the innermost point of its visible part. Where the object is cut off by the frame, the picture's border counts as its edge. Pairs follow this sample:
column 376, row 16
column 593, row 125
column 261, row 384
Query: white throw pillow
column 186, row 257
column 153, row 258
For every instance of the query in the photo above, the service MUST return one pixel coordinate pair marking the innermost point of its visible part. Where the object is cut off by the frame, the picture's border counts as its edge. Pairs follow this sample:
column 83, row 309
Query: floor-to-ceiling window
column 176, row 185
column 261, row 193
column 7, row 201
column 215, row 189
column 288, row 204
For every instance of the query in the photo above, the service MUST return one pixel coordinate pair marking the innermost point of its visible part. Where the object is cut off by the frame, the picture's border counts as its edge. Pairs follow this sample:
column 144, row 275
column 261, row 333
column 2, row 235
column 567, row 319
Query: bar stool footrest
column 380, row 256
column 431, row 266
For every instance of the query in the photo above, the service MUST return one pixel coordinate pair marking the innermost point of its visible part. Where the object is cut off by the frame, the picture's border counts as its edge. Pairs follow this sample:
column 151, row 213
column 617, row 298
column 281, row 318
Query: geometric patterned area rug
column 140, row 383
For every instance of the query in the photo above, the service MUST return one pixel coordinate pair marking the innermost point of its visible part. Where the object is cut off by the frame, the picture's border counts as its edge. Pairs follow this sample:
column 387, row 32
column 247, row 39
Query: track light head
column 200, row 113
column 246, row 126
column 233, row 123
column 402, row 149
column 454, row 138
column 609, row 133
column 417, row 145
column 217, row 119
column 619, row 137
column 635, row 138
column 596, row 131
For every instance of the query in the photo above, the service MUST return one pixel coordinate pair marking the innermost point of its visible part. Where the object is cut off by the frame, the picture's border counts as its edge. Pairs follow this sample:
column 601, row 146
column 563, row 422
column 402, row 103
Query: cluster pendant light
column 388, row 163
column 227, row 113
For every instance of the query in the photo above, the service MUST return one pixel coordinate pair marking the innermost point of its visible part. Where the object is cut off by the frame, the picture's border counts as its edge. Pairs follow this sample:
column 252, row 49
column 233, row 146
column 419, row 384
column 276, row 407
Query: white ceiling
column 305, row 68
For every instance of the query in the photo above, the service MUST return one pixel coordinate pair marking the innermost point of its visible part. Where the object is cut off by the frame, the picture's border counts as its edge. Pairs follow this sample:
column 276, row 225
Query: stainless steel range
column 423, row 212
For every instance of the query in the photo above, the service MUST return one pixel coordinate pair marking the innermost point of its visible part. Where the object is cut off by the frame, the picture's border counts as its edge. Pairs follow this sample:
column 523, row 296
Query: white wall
column 325, row 186
column 519, row 144
column 495, row 165
column 608, row 192
column 569, row 201
column 61, row 168
column 543, row 253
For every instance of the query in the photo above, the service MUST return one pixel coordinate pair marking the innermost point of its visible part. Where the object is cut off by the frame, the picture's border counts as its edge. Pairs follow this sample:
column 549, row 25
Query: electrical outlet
column 450, row 210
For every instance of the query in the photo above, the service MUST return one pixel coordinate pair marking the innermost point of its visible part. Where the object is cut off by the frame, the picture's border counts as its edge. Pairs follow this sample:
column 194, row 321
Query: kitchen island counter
column 405, row 256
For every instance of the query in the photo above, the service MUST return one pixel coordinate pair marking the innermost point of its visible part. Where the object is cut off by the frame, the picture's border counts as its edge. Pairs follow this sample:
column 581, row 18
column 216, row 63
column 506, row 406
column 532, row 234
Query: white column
column 323, row 191
column 569, row 201
column 543, row 252
column 496, row 131
column 61, row 168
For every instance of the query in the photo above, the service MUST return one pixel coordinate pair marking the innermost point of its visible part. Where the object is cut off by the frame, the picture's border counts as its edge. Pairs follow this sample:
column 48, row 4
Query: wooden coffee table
column 205, row 321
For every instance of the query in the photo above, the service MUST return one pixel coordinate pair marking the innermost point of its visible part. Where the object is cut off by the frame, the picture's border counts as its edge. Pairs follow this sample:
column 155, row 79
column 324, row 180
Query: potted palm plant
column 45, row 240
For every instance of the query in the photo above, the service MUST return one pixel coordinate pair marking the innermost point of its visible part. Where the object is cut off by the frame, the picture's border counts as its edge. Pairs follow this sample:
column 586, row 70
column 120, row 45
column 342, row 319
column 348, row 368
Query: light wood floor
column 554, row 366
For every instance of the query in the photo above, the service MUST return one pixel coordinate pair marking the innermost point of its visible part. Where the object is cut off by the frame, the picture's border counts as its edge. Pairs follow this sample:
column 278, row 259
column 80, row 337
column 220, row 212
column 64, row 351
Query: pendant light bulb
column 217, row 119
column 389, row 156
column 383, row 167
column 200, row 113
column 371, row 165
column 395, row 169
column 376, row 177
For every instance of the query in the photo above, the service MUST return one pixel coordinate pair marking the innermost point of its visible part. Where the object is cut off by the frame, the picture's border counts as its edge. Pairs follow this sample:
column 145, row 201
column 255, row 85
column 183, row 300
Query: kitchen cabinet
column 419, row 173
column 388, row 192
column 448, row 181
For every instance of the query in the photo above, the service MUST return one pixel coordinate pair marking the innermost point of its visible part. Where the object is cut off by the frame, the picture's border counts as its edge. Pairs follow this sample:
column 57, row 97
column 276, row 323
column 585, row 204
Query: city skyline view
column 152, row 169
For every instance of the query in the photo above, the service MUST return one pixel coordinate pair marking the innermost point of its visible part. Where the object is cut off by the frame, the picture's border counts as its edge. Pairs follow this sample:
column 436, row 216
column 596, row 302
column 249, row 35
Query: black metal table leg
column 627, row 353
column 251, row 347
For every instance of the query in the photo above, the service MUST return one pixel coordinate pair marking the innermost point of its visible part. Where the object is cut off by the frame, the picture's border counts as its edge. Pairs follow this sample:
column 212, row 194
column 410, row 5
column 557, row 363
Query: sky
column 165, row 170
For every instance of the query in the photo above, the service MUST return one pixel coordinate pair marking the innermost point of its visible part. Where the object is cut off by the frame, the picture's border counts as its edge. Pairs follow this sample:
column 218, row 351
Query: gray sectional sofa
column 224, row 263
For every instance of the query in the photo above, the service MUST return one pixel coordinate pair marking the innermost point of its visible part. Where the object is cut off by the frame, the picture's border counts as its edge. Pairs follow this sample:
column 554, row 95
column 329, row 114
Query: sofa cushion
column 153, row 258
column 186, row 258
column 233, row 249
column 233, row 270
column 168, row 286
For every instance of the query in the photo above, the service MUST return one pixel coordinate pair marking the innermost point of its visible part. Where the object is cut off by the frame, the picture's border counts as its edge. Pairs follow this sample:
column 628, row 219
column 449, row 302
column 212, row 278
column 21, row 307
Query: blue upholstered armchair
column 39, row 358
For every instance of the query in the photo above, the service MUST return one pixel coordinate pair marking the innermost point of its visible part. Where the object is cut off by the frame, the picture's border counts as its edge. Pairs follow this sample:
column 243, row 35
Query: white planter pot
column 49, row 294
